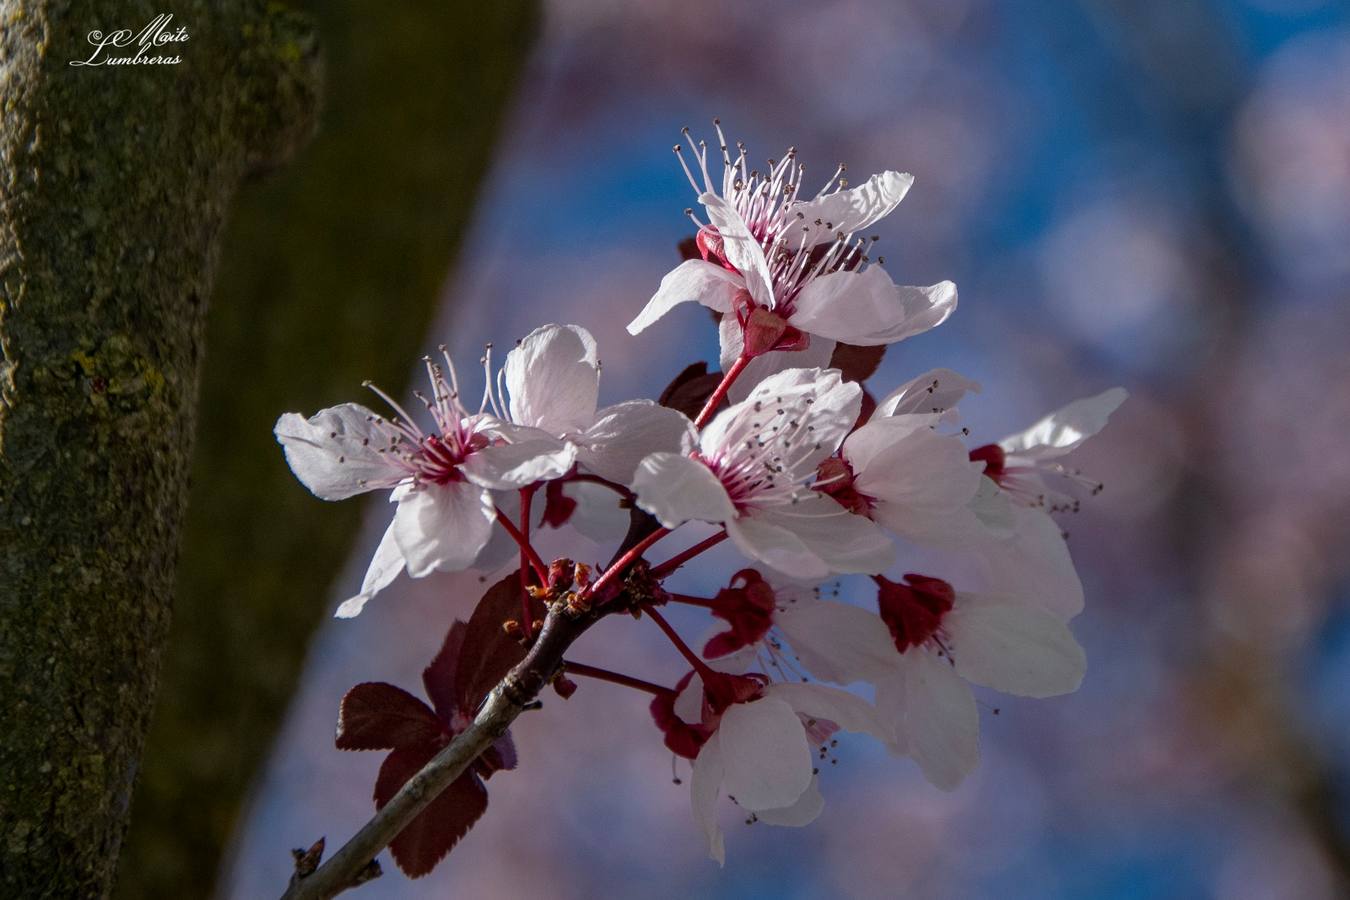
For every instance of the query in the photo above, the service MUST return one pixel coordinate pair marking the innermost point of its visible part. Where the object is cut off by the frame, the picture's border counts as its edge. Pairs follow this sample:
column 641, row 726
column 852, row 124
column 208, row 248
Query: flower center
column 994, row 458
column 766, row 453
column 835, row 478
column 913, row 611
column 748, row 608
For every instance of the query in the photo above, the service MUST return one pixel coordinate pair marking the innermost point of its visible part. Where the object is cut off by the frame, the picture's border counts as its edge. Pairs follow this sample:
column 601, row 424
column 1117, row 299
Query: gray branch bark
column 114, row 185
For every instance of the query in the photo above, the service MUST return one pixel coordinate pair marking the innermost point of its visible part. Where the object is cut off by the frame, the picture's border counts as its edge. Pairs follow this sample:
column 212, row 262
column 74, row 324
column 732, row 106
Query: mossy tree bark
column 330, row 275
column 114, row 185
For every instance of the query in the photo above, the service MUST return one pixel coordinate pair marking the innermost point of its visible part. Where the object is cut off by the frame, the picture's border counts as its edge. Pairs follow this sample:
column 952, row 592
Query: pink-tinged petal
column 336, row 452
column 442, row 527
column 1033, row 563
column 675, row 489
column 805, row 811
column 766, row 759
column 1013, row 648
column 816, row 355
column 553, row 377
column 598, row 515
column 849, row 711
column 624, row 434
column 836, row 641
column 867, row 308
column 384, row 568
column 704, row 786
column 853, row 209
column 693, row 280
column 933, row 393
column 812, row 540
column 934, row 715
column 741, row 248
column 534, row 457
column 1065, row 428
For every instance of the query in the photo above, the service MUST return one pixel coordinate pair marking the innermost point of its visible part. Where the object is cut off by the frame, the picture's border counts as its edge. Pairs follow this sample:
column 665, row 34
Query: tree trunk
column 331, row 273
column 114, row 184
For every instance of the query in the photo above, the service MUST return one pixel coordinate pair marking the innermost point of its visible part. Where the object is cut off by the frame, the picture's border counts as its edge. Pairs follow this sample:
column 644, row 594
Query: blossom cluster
column 789, row 456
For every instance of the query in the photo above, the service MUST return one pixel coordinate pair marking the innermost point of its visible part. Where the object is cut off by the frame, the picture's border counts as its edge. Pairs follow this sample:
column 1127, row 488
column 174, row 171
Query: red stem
column 705, row 602
column 525, row 549
column 624, row 561
column 699, row 665
column 576, row 668
column 526, row 615
column 684, row 556
column 725, row 385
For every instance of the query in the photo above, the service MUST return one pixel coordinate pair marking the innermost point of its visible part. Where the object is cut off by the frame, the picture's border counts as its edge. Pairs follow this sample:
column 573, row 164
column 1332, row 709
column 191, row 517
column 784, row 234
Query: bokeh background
column 1153, row 194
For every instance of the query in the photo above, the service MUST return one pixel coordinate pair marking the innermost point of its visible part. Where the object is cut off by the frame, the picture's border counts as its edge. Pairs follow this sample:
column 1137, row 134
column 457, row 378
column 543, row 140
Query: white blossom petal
column 805, row 811
column 812, row 540
column 442, row 527
column 1065, row 428
column 849, row 711
column 934, row 392
column 934, row 715
column 852, row 209
column 922, row 481
column 704, row 786
column 692, row 280
column 836, row 642
column 741, row 248
column 553, row 378
column 675, row 489
column 597, row 515
column 384, row 568
column 1010, row 647
column 1033, row 562
column 534, row 457
column 867, row 308
column 336, row 452
column 624, row 434
column 766, row 759
column 835, row 404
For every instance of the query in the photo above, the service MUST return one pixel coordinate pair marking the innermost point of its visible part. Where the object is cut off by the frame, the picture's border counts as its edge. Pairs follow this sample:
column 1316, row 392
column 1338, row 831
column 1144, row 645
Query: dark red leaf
column 856, row 363
column 430, row 836
column 690, row 389
column 488, row 652
column 379, row 716
column 439, row 677
column 688, row 249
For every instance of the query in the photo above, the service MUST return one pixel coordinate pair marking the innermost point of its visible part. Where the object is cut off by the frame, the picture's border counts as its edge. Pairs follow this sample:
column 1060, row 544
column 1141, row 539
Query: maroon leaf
column 379, row 716
column 501, row 755
column 690, row 389
column 429, row 837
column 488, row 652
column 439, row 677
column 688, row 249
column 857, row 363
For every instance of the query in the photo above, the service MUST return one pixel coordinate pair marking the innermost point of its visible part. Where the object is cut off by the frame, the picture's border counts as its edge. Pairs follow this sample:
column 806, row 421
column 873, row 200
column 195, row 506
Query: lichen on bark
column 114, row 185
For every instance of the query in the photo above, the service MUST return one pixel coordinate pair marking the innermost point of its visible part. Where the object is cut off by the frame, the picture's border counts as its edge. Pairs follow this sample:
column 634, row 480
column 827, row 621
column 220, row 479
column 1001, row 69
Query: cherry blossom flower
column 947, row 641
column 787, row 272
column 751, row 473
column 442, row 480
column 759, row 743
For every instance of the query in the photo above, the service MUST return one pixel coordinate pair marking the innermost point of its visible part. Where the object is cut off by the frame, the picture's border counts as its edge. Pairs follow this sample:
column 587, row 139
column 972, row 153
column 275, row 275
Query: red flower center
column 834, row 477
column 993, row 457
column 748, row 608
column 913, row 611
